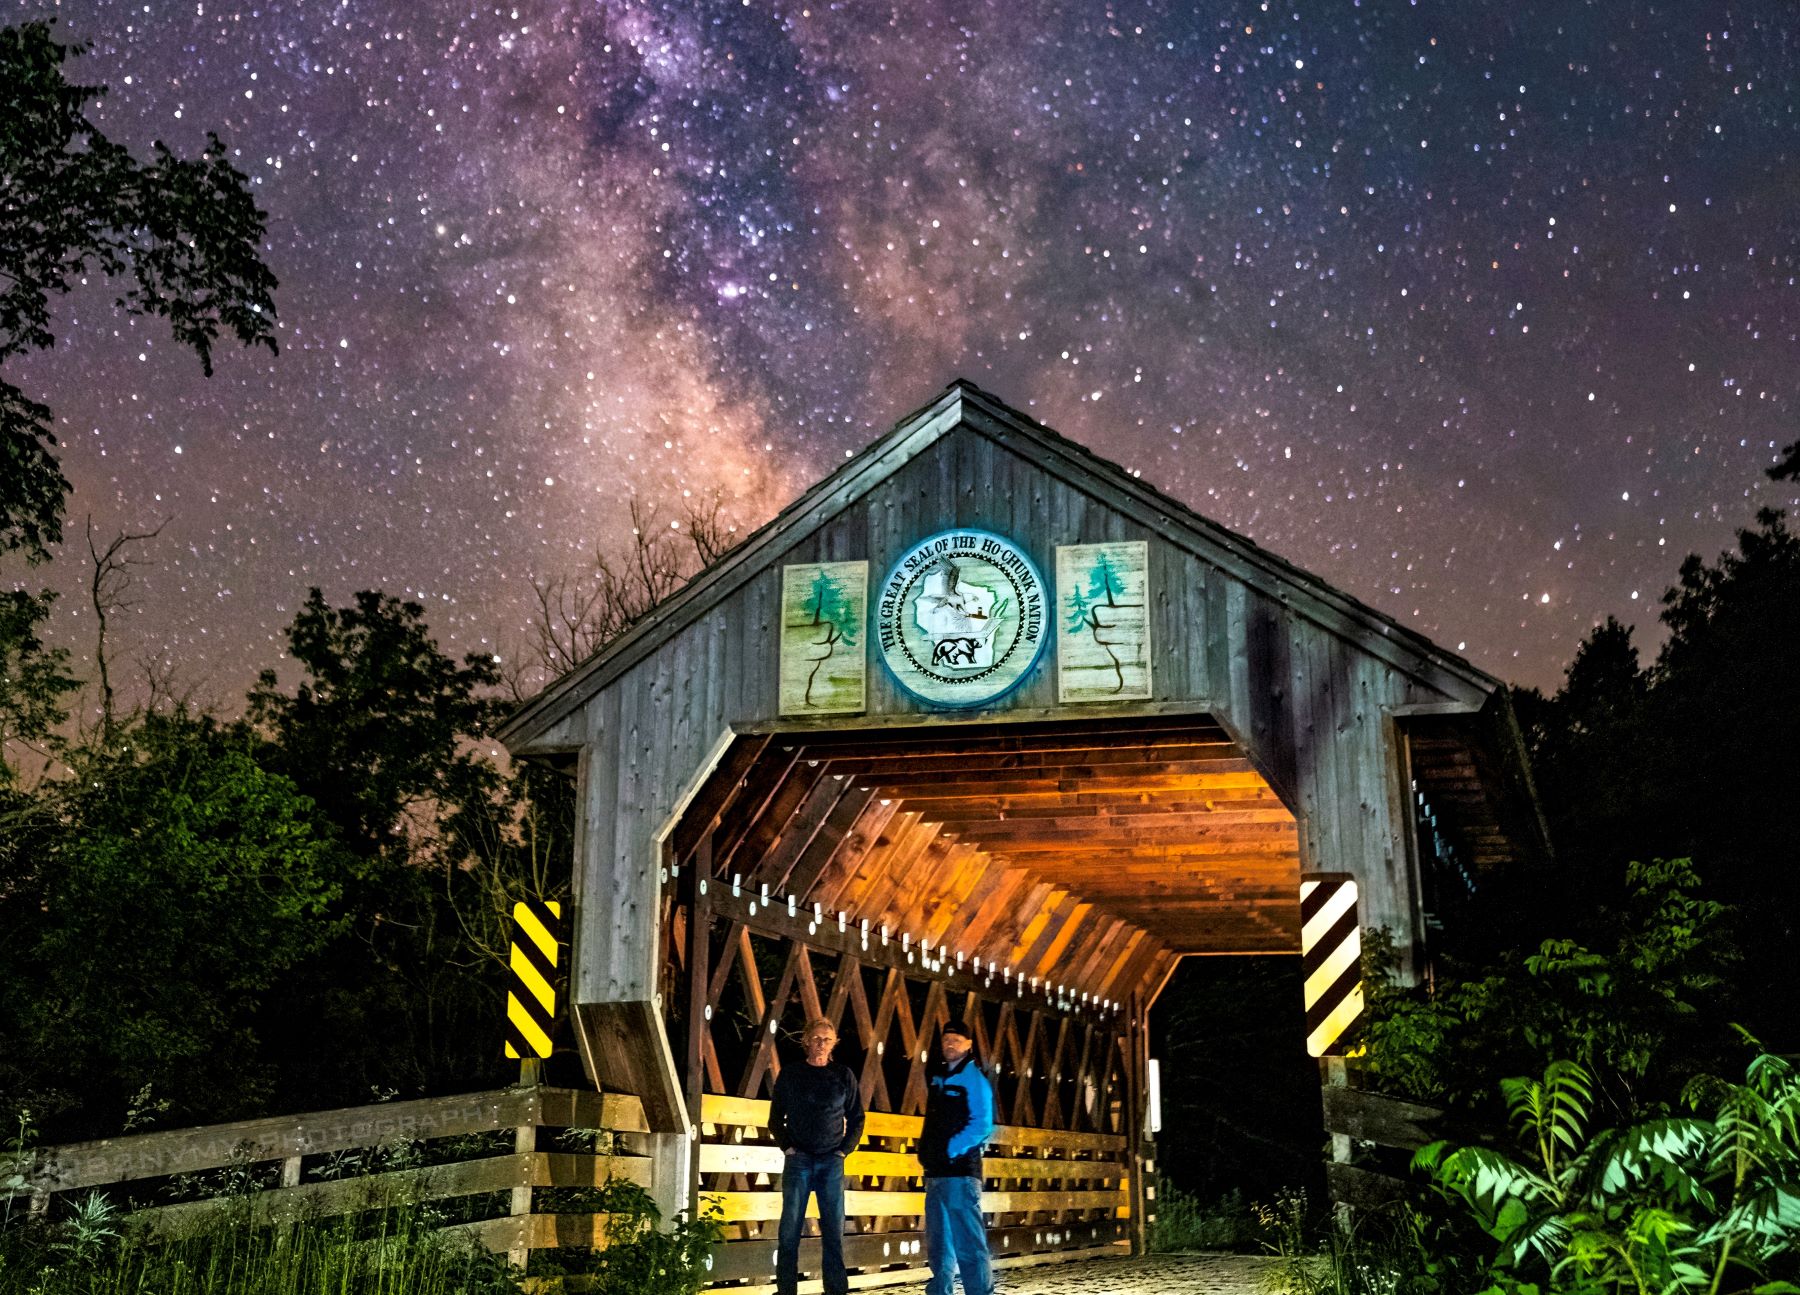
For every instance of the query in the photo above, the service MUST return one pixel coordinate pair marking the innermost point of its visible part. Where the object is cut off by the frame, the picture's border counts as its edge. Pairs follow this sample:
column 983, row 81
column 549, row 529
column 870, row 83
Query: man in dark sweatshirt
column 959, row 1119
column 816, row 1118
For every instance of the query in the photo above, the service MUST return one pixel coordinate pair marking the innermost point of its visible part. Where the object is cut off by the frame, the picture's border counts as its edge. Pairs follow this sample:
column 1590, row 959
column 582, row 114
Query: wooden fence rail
column 1353, row 1116
column 379, row 1133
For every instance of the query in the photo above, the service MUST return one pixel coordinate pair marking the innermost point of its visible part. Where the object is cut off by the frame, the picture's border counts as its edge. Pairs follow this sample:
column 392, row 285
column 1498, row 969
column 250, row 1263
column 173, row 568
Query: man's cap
column 960, row 1027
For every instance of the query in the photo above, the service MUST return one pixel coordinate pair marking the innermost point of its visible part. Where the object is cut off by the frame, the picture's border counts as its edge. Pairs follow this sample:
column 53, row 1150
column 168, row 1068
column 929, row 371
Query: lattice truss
column 1057, row 1173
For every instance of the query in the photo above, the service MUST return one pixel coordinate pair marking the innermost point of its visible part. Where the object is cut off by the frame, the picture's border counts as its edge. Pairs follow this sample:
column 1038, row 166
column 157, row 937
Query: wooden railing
column 290, row 1149
column 1048, row 1194
column 1375, row 1129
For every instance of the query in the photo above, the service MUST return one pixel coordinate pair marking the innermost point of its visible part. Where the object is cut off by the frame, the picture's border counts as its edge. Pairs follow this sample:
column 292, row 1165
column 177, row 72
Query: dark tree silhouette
column 184, row 236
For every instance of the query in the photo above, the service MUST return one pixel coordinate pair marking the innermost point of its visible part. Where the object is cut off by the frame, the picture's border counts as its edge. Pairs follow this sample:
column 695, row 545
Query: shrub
column 1696, row 1203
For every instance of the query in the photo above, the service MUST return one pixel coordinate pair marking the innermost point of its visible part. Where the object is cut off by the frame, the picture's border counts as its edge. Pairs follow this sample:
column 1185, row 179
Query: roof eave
column 836, row 491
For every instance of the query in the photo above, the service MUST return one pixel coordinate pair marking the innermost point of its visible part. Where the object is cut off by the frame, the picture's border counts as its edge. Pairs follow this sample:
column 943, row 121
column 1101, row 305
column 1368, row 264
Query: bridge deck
column 1184, row 1274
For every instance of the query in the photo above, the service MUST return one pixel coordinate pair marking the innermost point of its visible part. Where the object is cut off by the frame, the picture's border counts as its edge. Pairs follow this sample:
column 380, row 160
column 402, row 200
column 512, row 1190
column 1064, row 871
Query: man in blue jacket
column 959, row 1119
column 816, row 1118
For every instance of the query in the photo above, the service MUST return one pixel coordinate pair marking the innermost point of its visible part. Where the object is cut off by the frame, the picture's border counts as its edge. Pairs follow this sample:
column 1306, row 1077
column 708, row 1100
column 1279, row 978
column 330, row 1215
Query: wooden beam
column 187, row 1151
column 843, row 838
column 1145, row 777
column 1221, row 756
column 787, row 839
column 727, row 782
column 892, row 956
column 853, row 876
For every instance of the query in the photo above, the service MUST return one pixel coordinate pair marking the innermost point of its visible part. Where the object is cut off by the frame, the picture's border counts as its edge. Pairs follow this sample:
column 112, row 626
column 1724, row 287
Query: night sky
column 1484, row 312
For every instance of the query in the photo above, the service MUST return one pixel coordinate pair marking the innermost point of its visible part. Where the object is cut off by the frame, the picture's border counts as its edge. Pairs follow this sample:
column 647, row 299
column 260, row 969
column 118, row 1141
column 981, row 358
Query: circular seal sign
column 960, row 618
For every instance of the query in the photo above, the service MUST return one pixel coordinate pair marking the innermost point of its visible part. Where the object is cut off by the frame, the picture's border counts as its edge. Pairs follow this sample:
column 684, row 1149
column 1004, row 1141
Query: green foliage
column 282, row 917
column 1701, row 1202
column 640, row 1257
column 1397, row 1251
column 1637, row 1008
column 382, row 730
column 161, row 891
column 34, row 678
column 379, row 725
column 390, row 1252
column 183, row 236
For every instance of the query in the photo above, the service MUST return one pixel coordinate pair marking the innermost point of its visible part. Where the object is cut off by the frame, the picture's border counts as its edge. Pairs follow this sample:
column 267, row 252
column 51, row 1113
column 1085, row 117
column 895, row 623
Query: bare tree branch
column 577, row 615
column 111, row 581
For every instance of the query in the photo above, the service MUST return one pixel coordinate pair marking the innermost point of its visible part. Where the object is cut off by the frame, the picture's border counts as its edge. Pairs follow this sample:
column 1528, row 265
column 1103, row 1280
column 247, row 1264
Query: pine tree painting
column 823, row 661
column 1103, row 640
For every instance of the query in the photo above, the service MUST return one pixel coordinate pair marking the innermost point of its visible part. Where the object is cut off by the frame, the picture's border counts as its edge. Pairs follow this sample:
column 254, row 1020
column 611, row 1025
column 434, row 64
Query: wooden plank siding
column 1287, row 685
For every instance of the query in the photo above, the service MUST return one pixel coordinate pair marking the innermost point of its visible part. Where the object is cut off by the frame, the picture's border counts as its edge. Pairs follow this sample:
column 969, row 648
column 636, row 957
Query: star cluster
column 1485, row 312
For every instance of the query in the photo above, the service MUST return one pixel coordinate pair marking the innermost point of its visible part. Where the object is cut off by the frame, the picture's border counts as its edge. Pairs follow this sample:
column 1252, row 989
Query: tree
column 34, row 678
column 384, row 729
column 1693, row 756
column 145, row 909
column 379, row 725
column 1636, row 992
column 184, row 235
column 577, row 615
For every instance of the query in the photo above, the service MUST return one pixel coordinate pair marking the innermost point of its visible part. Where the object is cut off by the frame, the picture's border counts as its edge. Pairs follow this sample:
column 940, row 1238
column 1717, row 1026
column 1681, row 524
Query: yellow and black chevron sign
column 1330, row 961
column 531, row 997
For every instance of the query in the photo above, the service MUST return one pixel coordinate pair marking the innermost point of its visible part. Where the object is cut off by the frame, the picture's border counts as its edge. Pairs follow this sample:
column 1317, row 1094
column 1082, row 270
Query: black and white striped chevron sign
column 531, row 995
column 1330, row 961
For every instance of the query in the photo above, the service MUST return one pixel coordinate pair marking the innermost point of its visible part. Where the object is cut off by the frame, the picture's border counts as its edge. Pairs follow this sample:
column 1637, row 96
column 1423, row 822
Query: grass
column 1184, row 1222
column 387, row 1252
column 92, row 1249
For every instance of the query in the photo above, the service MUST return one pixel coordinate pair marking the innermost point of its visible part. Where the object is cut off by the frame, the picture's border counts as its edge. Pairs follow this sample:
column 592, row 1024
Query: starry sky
column 1484, row 312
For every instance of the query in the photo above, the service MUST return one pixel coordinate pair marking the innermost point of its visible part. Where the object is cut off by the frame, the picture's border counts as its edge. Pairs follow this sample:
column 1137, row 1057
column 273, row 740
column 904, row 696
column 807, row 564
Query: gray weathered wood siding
column 1310, row 692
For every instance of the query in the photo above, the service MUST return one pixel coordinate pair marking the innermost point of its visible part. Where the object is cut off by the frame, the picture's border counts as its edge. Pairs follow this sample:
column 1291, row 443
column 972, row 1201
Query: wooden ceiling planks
column 1087, row 855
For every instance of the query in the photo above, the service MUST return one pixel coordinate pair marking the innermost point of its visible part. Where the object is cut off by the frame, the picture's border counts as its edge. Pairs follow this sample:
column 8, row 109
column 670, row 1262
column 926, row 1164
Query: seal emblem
column 960, row 618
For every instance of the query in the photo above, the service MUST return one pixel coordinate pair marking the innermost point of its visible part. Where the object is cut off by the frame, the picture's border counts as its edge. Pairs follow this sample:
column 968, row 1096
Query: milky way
column 1485, row 313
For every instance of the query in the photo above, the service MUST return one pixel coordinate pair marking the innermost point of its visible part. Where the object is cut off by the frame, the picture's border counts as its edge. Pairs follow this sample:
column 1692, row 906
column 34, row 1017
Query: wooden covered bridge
column 985, row 726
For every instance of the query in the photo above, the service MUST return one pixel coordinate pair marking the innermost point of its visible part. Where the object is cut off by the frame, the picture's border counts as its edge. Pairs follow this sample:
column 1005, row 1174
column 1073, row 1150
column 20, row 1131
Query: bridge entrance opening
column 1038, row 880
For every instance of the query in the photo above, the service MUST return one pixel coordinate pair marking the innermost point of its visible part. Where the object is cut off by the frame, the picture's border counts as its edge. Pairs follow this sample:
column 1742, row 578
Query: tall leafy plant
column 1706, row 1202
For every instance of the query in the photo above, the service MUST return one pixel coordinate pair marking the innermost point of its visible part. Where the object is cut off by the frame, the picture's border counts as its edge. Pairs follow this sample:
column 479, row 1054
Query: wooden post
column 1333, row 1073
column 290, row 1171
column 1136, row 1115
column 524, row 1142
column 698, row 998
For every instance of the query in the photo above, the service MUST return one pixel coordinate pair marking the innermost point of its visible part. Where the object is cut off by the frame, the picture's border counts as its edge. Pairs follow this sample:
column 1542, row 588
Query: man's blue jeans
column 955, row 1238
column 803, row 1175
